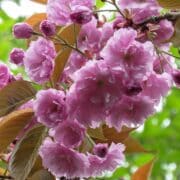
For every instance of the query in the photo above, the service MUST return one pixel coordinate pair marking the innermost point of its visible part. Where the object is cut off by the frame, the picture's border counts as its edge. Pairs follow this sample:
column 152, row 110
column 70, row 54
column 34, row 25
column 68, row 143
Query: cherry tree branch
column 172, row 16
column 5, row 177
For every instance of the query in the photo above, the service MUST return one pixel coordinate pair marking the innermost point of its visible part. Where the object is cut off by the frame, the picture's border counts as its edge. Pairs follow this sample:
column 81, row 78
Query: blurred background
column 160, row 133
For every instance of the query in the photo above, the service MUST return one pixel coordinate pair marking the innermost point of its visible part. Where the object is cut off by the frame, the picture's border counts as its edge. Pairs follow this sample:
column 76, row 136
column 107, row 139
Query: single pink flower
column 61, row 161
column 39, row 60
column 69, row 134
column 105, row 159
column 50, row 107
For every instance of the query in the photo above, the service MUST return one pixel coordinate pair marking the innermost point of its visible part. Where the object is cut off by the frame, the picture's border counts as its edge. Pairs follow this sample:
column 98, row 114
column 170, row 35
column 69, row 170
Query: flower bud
column 47, row 28
column 22, row 31
column 4, row 75
column 81, row 17
column 17, row 56
column 176, row 77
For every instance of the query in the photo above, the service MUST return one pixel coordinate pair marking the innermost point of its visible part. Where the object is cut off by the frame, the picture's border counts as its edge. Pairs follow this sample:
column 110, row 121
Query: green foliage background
column 160, row 133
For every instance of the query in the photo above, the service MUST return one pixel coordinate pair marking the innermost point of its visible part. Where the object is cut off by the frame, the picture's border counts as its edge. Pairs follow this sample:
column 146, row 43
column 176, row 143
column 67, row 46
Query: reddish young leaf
column 133, row 146
column 60, row 63
column 40, row 1
column 37, row 166
column 111, row 135
column 86, row 146
column 69, row 34
column 11, row 125
column 36, row 19
column 96, row 133
column 42, row 175
column 144, row 172
column 3, row 171
column 14, row 95
column 169, row 4
column 25, row 153
column 175, row 39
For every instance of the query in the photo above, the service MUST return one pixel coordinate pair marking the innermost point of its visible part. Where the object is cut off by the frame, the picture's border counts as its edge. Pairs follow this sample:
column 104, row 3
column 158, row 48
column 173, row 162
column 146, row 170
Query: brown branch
column 172, row 16
column 5, row 177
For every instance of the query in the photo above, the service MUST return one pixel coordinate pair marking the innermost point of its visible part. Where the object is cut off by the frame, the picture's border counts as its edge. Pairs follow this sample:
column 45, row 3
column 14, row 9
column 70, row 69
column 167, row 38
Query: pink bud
column 176, row 77
column 22, row 31
column 47, row 28
column 81, row 17
column 17, row 56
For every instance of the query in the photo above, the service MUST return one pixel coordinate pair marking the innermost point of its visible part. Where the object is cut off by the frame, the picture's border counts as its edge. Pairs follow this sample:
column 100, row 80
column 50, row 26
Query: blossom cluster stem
column 62, row 42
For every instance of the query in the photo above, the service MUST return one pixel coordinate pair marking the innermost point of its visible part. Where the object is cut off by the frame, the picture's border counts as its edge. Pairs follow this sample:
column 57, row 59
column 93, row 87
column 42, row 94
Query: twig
column 156, row 19
column 106, row 10
column 62, row 42
column 5, row 177
column 65, row 43
column 117, row 7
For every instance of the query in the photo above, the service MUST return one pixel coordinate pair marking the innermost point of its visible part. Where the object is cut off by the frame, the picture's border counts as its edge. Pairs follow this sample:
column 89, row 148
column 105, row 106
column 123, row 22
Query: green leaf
column 14, row 95
column 12, row 124
column 25, row 153
column 99, row 4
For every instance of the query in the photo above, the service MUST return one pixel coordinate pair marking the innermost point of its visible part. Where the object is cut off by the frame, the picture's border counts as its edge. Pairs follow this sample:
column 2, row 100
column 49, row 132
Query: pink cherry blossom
column 75, row 62
column 164, row 32
column 69, row 133
column 4, row 75
column 157, row 86
column 105, row 159
column 50, row 107
column 140, row 9
column 39, row 60
column 59, row 11
column 94, row 90
column 62, row 161
column 135, row 58
column 89, row 37
column 130, row 110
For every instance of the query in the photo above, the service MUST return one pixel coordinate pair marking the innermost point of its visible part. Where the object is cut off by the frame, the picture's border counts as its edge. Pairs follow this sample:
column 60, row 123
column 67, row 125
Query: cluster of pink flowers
column 118, row 80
